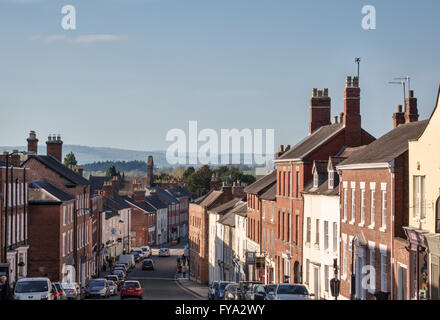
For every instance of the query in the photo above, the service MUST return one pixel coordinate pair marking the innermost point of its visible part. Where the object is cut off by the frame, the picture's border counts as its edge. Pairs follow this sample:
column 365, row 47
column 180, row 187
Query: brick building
column 294, row 171
column 51, row 231
column 51, row 168
column 13, row 225
column 374, row 209
column 183, row 196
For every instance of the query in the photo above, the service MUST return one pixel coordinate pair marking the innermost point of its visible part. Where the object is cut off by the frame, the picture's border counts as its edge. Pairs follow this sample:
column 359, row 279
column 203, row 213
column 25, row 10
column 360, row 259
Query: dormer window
column 331, row 179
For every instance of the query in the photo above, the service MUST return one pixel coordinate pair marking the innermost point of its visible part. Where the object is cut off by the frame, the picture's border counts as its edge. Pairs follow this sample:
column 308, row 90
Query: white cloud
column 85, row 38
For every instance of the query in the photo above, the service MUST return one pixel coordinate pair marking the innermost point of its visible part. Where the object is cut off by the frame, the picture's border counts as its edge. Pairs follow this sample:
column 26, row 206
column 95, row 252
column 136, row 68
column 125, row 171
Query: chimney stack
column 55, row 147
column 335, row 119
column 32, row 142
column 115, row 184
column 398, row 117
column 280, row 151
column 139, row 195
column 15, row 158
column 411, row 111
column 320, row 104
column 352, row 116
column 108, row 189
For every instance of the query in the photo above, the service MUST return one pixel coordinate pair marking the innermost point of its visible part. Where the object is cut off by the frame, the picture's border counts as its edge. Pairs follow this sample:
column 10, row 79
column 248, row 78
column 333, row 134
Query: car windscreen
column 271, row 288
column 215, row 285
column 68, row 285
column 293, row 289
column 97, row 283
column 31, row 286
column 59, row 288
column 131, row 284
column 231, row 287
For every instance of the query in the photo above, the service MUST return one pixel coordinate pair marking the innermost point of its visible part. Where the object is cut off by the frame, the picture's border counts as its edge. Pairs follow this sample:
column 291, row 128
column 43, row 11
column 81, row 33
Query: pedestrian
column 184, row 272
column 179, row 268
column 5, row 289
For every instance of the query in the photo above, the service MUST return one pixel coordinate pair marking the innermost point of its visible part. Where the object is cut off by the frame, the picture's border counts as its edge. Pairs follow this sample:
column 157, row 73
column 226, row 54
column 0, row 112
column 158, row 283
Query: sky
column 134, row 69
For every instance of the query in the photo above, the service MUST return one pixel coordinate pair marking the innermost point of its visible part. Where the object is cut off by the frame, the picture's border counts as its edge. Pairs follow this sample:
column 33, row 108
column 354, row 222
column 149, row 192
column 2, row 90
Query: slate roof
column 321, row 166
column 209, row 198
column 120, row 200
column 223, row 208
column 240, row 209
column 322, row 189
column 113, row 204
column 261, row 185
column 271, row 193
column 56, row 192
column 97, row 183
column 164, row 196
column 228, row 219
column 109, row 212
column 60, row 168
column 389, row 146
column 143, row 205
column 317, row 138
column 154, row 201
column 179, row 192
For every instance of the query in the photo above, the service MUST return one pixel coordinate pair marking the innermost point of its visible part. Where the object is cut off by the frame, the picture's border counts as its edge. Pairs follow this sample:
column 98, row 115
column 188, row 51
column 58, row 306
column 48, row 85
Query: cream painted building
column 424, row 203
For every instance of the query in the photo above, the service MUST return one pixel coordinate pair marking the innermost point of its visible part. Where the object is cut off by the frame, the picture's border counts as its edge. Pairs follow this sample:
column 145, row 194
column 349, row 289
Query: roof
column 308, row 144
column 154, row 201
column 322, row 189
column 163, row 195
column 120, row 200
column 389, row 146
column 223, row 208
column 109, row 212
column 270, row 193
column 261, row 185
column 320, row 166
column 209, row 198
column 348, row 151
column 240, row 209
column 53, row 190
column 228, row 219
column 334, row 161
column 179, row 192
column 60, row 168
column 97, row 183
column 115, row 205
column 142, row 205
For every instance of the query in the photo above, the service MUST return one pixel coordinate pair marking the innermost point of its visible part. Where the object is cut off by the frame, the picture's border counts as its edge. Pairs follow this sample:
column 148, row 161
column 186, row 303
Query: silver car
column 98, row 288
column 72, row 290
column 287, row 291
column 112, row 287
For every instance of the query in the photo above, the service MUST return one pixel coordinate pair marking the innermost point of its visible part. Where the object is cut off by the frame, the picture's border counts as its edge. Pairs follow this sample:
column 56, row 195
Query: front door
column 402, row 276
column 316, row 282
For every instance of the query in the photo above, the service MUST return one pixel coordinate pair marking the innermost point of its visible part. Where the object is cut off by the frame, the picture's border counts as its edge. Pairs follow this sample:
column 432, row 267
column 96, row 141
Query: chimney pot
column 325, row 92
column 335, row 119
column 348, row 81
column 281, row 148
column 411, row 93
column 319, row 93
column 314, row 92
column 399, row 108
column 355, row 82
column 341, row 117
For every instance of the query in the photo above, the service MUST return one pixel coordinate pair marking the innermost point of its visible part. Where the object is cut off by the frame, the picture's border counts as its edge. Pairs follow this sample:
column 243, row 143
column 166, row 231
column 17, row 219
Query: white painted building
column 321, row 228
column 240, row 241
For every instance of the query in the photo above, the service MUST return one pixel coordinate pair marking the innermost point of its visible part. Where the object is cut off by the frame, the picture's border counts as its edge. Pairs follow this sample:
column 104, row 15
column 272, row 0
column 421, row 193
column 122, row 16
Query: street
column 160, row 284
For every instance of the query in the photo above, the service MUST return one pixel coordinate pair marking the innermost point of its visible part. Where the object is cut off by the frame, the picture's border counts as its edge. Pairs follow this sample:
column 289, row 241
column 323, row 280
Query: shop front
column 418, row 263
column 434, row 257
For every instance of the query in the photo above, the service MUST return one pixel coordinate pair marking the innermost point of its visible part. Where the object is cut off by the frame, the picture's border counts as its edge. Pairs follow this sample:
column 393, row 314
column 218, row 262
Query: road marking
column 154, row 278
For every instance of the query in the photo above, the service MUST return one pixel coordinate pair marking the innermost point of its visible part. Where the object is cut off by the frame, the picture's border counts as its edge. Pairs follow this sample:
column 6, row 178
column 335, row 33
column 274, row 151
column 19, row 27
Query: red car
column 131, row 289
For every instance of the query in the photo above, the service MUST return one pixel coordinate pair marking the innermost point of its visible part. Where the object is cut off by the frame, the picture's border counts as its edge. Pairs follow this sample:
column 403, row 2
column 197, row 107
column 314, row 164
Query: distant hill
column 86, row 154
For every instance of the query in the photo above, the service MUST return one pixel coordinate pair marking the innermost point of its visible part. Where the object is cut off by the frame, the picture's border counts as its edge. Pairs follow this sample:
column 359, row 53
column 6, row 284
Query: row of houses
column 338, row 202
column 56, row 223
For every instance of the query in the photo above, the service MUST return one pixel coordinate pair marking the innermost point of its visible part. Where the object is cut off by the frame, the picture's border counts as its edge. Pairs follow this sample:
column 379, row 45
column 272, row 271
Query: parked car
column 252, row 290
column 61, row 292
column 212, row 289
column 115, row 279
column 113, row 287
column 243, row 287
column 98, row 288
column 147, row 251
column 286, row 291
column 121, row 275
column 72, row 290
column 139, row 252
column 164, row 252
column 259, row 292
column 147, row 264
column 219, row 293
column 127, row 259
column 131, row 289
column 33, row 289
column 137, row 256
column 120, row 269
column 270, row 288
column 230, row 291
column 122, row 265
column 56, row 294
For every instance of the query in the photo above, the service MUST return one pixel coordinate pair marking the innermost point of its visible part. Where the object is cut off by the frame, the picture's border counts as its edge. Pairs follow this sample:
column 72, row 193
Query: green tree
column 200, row 181
column 111, row 172
column 70, row 160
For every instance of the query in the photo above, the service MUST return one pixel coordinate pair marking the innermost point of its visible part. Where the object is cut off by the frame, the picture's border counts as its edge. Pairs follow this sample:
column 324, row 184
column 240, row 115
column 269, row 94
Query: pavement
column 162, row 283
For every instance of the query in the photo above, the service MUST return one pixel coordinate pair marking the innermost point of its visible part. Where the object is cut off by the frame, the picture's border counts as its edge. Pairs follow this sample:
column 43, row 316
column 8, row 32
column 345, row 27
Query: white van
column 147, row 251
column 127, row 259
column 33, row 289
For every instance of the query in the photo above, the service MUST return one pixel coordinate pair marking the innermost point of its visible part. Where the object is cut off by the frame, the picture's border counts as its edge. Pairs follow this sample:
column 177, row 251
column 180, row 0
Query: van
column 127, row 259
column 33, row 289
column 147, row 251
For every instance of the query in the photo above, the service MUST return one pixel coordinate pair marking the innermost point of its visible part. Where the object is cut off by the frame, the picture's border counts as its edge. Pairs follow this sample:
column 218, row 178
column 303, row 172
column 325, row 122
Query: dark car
column 243, row 287
column 147, row 264
column 61, row 292
column 230, row 291
column 213, row 287
column 259, row 292
column 137, row 256
column 56, row 294
column 219, row 293
column 271, row 288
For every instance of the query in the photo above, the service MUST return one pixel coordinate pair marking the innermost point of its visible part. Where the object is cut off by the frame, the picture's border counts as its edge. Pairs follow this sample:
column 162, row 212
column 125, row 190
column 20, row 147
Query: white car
column 287, row 291
column 33, row 289
column 164, row 252
column 147, row 251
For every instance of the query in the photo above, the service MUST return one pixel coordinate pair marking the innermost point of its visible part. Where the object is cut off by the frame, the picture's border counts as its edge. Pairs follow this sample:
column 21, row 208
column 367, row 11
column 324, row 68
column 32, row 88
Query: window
column 373, row 207
column 64, row 244
column 325, row 235
column 64, row 215
column 353, row 204
column 384, row 209
column 315, row 180
column 326, row 278
column 362, row 207
column 335, row 237
column 422, row 198
column 345, row 204
column 264, row 209
column 344, row 258
column 317, row 232
column 297, row 183
column 383, row 271
column 307, row 270
column 273, row 211
column 437, row 214
column 309, row 229
column 297, row 227
column 372, row 286
column 416, row 197
column 331, row 179
column 289, row 227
